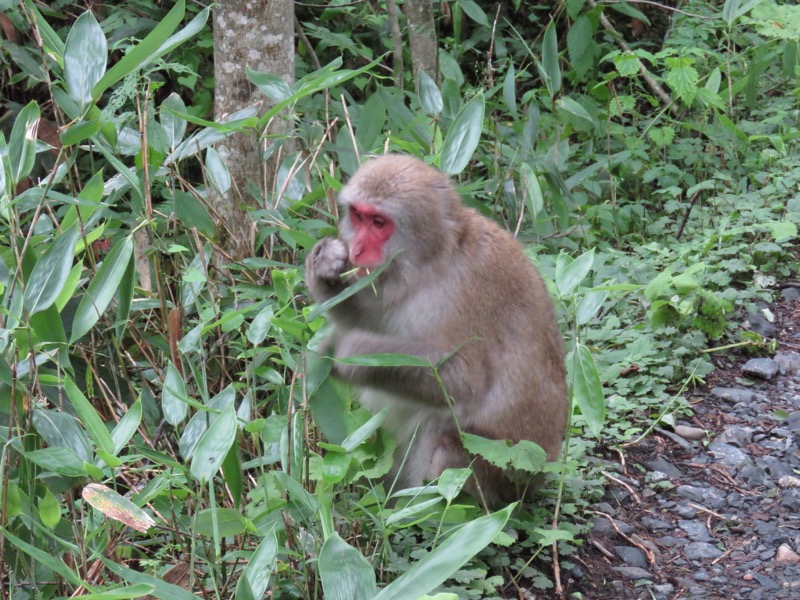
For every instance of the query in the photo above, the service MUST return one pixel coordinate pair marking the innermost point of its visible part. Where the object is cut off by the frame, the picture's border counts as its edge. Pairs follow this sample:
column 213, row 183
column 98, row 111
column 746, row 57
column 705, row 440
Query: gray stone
column 697, row 532
column 633, row 572
column 631, row 556
column 709, row 497
column 760, row 324
column 736, row 435
column 701, row 551
column 788, row 362
column 763, row 368
column 664, row 466
column 736, row 395
column 728, row 454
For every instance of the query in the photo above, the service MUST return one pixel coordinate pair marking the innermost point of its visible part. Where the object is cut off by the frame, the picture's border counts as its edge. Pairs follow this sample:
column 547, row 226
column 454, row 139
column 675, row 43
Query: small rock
column 738, row 436
column 710, row 497
column 763, row 368
column 727, row 454
column 633, row 572
column 690, row 433
column 788, row 362
column 785, row 554
column 664, row 466
column 670, row 541
column 701, row 551
column 735, row 395
column 758, row 322
column 766, row 582
column 697, row 532
column 655, row 524
column 790, row 293
column 631, row 556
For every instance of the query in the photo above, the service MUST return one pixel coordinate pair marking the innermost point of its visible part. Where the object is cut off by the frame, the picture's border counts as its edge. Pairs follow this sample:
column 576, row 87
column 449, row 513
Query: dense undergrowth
column 184, row 437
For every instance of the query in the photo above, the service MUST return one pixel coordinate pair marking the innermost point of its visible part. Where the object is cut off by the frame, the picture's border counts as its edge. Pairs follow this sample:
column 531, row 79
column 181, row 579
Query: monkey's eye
column 356, row 215
column 378, row 223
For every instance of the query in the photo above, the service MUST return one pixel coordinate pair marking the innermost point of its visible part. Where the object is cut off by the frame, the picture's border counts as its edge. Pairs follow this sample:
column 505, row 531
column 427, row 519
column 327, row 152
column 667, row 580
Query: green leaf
column 433, row 570
column 217, row 171
column 50, row 273
column 259, row 568
column 102, row 288
column 733, row 9
column 474, row 12
column 46, row 559
column 144, row 52
column 174, row 399
column 587, row 388
column 385, row 360
column 510, row 91
column 85, row 57
column 682, row 77
column 568, row 278
column 88, row 415
column 533, row 191
column 273, row 86
column 524, row 455
column 355, row 439
column 127, row 426
column 582, row 48
column 22, row 143
column 49, row 509
column 174, row 125
column 162, row 589
column 451, row 482
column 550, row 66
column 214, row 445
column 345, row 573
column 200, row 421
column 463, row 137
column 429, row 95
column 61, row 461
column 589, row 305
column 61, row 430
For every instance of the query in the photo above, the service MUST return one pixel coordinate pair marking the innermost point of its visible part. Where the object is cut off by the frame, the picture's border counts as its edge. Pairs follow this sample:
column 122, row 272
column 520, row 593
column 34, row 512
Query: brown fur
column 458, row 281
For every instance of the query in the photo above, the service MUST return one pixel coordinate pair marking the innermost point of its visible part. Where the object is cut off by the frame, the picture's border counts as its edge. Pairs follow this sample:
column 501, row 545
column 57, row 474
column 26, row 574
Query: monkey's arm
column 459, row 380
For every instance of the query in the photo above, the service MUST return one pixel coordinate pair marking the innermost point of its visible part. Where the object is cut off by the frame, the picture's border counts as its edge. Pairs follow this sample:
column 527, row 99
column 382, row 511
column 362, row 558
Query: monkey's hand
column 325, row 264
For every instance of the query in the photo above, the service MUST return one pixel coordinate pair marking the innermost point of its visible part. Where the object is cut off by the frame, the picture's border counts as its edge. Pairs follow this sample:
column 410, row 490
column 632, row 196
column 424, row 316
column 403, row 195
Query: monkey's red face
column 371, row 230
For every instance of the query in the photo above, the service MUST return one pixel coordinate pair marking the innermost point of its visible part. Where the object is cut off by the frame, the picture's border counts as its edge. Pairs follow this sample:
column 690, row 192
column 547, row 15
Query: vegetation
column 167, row 424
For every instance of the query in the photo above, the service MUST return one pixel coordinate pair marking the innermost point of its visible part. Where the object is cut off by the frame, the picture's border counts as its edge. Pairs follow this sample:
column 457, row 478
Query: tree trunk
column 258, row 34
column 422, row 38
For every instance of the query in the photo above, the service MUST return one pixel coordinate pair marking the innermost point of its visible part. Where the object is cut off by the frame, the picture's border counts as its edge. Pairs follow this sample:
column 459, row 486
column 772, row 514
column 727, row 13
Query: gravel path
column 711, row 509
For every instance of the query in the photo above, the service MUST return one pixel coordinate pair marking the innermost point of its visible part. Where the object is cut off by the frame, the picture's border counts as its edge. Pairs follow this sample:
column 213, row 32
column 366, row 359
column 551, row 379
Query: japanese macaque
column 459, row 292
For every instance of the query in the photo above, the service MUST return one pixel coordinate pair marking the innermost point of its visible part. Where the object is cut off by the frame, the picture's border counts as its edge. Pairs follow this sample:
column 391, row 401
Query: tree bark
column 422, row 38
column 258, row 34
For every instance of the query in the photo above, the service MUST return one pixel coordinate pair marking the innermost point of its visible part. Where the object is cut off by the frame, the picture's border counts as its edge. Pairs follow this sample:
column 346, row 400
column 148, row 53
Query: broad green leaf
column 524, row 455
column 345, row 573
column 121, row 592
column 22, row 143
column 51, row 43
column 51, row 271
column 335, row 466
column 80, row 131
column 733, row 9
column 550, row 60
column 174, row 125
column 144, row 52
column 587, row 388
column 49, row 509
column 463, row 137
column 474, row 12
column 355, row 439
column 533, row 192
column 273, row 86
column 127, row 426
column 510, row 91
column 218, row 171
column 202, row 419
column 61, row 461
column 117, row 507
column 214, row 445
column 85, row 57
column 259, row 568
column 370, row 122
column 162, row 590
column 589, row 305
column 174, row 399
column 61, row 430
column 385, row 360
column 102, row 288
column 582, row 48
column 229, row 522
column 429, row 95
column 125, row 298
column 414, row 513
column 88, row 415
column 45, row 558
column 433, row 570
column 451, row 482
column 571, row 276
column 682, row 77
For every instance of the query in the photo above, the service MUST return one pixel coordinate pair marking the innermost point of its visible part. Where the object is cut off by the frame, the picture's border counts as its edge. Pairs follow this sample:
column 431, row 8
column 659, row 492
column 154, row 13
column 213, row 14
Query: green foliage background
column 656, row 184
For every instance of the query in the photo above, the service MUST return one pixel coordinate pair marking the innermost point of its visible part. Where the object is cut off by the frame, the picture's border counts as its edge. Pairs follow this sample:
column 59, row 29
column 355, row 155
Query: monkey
column 458, row 291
